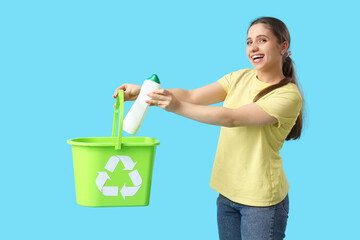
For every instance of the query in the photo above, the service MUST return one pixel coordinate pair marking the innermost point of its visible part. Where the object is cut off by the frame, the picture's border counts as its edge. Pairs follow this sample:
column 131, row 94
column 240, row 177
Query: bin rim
column 77, row 142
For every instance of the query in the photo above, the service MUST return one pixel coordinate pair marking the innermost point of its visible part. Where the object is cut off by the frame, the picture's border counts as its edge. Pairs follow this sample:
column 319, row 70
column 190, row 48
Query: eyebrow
column 258, row 36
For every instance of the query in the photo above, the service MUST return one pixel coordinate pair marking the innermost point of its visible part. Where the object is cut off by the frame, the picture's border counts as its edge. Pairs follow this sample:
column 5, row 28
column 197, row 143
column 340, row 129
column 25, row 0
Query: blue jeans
column 242, row 222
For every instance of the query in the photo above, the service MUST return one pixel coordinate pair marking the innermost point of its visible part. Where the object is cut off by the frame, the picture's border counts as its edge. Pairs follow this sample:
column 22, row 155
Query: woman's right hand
column 131, row 91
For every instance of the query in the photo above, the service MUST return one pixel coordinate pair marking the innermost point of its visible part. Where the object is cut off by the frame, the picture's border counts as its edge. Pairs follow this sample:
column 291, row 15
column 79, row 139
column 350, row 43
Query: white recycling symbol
column 114, row 191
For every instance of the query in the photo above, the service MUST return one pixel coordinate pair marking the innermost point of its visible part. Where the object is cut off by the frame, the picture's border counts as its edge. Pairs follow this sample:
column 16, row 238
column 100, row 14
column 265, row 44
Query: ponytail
column 289, row 73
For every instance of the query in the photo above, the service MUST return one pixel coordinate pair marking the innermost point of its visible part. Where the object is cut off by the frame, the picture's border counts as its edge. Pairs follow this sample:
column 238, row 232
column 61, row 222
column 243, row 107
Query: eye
column 248, row 43
column 263, row 40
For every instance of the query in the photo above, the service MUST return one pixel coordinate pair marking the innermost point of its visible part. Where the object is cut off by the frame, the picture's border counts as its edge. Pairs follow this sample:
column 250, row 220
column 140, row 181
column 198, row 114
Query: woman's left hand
column 165, row 99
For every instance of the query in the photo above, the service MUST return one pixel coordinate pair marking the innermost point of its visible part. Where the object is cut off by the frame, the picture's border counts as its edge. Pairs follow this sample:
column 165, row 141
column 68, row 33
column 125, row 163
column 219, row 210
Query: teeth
column 257, row 56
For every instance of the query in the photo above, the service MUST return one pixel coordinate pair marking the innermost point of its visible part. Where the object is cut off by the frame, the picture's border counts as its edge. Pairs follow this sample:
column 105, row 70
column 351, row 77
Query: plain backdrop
column 60, row 62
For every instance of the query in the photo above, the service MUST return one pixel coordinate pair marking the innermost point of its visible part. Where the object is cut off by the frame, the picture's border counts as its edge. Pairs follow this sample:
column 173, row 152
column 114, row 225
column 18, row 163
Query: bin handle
column 119, row 102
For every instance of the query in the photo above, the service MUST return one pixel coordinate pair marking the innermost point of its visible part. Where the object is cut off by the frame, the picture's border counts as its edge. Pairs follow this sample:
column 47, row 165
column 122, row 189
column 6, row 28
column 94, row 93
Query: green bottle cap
column 154, row 78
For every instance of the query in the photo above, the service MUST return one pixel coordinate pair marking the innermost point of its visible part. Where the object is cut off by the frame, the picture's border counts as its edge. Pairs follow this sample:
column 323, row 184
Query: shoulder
column 289, row 89
column 284, row 103
column 287, row 94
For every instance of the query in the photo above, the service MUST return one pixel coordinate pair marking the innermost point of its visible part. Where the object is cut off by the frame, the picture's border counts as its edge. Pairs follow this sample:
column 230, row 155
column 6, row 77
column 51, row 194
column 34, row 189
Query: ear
column 284, row 47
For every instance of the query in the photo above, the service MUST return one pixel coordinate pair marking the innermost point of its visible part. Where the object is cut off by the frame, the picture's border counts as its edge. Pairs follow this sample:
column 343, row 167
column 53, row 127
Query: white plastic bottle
column 138, row 110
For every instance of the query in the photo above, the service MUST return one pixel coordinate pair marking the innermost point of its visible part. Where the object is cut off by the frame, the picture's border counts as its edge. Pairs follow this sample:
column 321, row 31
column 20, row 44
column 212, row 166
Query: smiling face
column 263, row 48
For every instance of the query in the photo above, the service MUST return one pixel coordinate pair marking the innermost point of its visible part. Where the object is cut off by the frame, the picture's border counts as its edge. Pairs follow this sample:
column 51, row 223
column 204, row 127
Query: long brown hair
column 279, row 29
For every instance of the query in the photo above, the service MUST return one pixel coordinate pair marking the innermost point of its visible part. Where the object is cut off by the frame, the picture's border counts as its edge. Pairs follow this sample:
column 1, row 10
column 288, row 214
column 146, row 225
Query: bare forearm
column 213, row 115
column 206, row 95
column 181, row 94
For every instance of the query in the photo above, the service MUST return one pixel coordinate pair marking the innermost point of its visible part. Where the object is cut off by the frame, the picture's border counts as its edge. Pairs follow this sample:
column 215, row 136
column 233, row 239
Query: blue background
column 60, row 62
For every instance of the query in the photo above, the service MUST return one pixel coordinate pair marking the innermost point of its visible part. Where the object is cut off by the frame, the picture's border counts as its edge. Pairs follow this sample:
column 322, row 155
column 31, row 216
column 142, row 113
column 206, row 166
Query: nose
column 254, row 47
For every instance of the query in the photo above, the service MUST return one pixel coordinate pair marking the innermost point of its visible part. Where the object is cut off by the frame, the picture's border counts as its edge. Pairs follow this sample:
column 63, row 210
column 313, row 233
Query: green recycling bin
column 113, row 171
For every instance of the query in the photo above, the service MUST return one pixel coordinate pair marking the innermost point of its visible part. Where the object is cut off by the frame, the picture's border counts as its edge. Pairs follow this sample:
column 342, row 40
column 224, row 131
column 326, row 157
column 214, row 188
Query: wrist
column 179, row 109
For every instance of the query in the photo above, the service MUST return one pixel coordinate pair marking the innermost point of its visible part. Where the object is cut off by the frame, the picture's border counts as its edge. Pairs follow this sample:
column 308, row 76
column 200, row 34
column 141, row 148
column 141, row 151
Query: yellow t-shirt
column 247, row 167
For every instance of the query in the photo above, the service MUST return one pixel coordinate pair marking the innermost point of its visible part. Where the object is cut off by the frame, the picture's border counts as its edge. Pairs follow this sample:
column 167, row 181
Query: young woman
column 262, row 108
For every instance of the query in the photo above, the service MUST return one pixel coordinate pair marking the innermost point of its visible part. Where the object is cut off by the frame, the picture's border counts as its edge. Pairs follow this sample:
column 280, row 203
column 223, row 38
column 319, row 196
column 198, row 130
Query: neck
column 271, row 76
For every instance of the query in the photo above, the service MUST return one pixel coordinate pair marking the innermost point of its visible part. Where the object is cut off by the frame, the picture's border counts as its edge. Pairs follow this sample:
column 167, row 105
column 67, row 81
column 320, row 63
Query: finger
column 158, row 97
column 122, row 87
column 157, row 103
column 160, row 91
column 116, row 92
column 152, row 102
